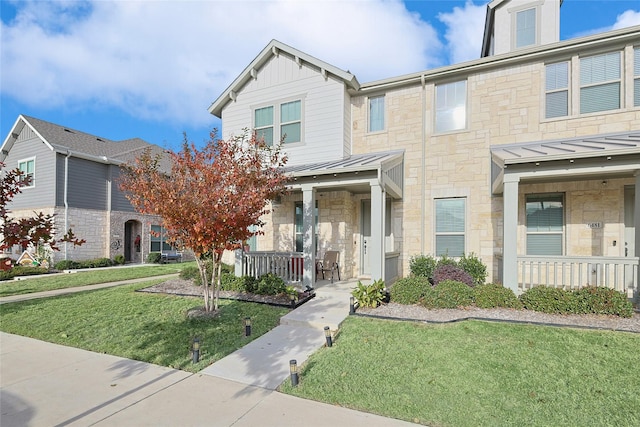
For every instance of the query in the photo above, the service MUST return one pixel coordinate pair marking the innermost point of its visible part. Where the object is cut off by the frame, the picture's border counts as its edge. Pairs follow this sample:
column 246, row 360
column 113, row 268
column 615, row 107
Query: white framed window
column 291, row 121
column 376, row 113
column 545, row 224
column 299, row 218
column 287, row 115
column 600, row 83
column 263, row 124
column 451, row 106
column 158, row 240
column 28, row 168
column 557, row 90
column 636, row 77
column 450, row 226
column 525, row 28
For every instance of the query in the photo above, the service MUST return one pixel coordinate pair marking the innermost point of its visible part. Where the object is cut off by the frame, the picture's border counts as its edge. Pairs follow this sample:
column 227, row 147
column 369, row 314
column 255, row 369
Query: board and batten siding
column 42, row 195
column 323, row 108
column 87, row 184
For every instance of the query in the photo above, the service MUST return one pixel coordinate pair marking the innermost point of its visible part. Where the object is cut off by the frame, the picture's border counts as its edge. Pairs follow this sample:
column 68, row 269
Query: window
column 290, row 124
column 636, row 77
column 376, row 113
column 157, row 238
column 451, row 106
column 525, row 28
column 299, row 236
column 557, row 90
column 600, row 83
column 450, row 227
column 28, row 167
column 545, row 224
column 263, row 121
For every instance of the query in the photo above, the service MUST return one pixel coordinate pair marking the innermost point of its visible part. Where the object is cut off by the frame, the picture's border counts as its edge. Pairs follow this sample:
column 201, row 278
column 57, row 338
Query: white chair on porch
column 330, row 263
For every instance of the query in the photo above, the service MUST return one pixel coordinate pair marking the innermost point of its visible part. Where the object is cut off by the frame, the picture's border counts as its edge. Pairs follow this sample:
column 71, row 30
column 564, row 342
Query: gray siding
column 87, row 184
column 42, row 195
column 118, row 200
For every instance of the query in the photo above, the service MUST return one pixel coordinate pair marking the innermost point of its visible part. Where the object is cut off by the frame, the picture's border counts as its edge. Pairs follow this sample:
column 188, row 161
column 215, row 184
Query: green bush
column 369, row 295
column 449, row 294
column 270, row 284
column 154, row 258
column 67, row 264
column 20, row 270
column 119, row 259
column 452, row 273
column 491, row 296
column 190, row 273
column 410, row 290
column 601, row 300
column 230, row 282
column 550, row 300
column 446, row 260
column 422, row 265
column 475, row 267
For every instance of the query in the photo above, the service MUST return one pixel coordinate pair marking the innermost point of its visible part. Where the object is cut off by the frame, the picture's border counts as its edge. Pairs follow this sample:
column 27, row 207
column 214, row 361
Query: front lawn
column 85, row 277
column 138, row 325
column 477, row 373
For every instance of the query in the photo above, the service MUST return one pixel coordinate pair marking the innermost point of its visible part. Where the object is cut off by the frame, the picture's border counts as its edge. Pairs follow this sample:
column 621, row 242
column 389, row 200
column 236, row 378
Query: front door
column 128, row 230
column 365, row 226
column 629, row 232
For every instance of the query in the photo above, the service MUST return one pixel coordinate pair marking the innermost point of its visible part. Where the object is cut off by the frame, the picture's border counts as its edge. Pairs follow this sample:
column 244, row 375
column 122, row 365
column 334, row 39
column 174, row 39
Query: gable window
column 451, row 106
column 263, row 123
column 376, row 113
column 158, row 240
column 636, row 77
column 557, row 90
column 545, row 224
column 28, row 168
column 299, row 235
column 525, row 28
column 290, row 121
column 450, row 227
column 600, row 83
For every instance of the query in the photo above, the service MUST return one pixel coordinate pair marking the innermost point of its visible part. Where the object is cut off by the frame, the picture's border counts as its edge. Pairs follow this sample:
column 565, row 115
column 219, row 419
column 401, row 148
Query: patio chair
column 330, row 262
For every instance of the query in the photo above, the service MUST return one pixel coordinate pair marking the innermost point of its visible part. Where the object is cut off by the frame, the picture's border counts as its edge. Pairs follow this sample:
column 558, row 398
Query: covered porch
column 569, row 212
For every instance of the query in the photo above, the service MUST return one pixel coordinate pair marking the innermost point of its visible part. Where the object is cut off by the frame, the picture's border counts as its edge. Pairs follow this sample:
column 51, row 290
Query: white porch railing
column 287, row 265
column 569, row 272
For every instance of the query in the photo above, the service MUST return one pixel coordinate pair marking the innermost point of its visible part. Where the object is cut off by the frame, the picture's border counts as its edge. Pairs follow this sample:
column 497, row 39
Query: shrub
column 119, row 259
column 446, row 260
column 410, row 290
column 475, row 267
column 95, row 263
column 449, row 294
column 270, row 284
column 491, row 295
column 230, row 282
column 67, row 264
column 20, row 270
column 190, row 273
column 549, row 300
column 601, row 300
column 451, row 272
column 154, row 258
column 422, row 265
column 369, row 295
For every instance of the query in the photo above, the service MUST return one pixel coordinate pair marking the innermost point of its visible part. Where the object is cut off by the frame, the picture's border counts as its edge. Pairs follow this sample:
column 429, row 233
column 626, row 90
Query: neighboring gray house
column 74, row 175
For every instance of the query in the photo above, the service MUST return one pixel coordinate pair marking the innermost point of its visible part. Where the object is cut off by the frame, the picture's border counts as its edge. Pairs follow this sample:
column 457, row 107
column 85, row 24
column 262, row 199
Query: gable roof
column 274, row 48
column 67, row 141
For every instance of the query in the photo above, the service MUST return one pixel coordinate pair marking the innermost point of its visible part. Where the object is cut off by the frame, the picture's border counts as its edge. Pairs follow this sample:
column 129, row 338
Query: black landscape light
column 247, row 326
column 293, row 300
column 195, row 349
column 327, row 335
column 352, row 305
column 293, row 369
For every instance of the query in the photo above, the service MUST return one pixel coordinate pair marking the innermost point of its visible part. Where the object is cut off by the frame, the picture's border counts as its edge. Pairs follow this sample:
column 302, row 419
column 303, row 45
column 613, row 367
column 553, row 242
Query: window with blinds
column 376, row 113
column 450, row 227
column 263, row 124
column 636, row 77
column 545, row 224
column 525, row 28
column 600, row 83
column 557, row 90
column 290, row 121
column 451, row 106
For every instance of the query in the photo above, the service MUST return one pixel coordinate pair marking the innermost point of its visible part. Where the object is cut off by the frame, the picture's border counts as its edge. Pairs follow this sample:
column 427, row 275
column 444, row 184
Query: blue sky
column 150, row 69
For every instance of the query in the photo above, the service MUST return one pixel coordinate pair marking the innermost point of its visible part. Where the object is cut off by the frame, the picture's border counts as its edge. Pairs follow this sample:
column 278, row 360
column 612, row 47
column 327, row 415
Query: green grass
column 141, row 326
column 478, row 374
column 84, row 278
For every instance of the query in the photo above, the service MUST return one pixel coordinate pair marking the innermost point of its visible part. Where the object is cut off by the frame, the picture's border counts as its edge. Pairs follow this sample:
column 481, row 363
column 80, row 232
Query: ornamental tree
column 210, row 198
column 30, row 231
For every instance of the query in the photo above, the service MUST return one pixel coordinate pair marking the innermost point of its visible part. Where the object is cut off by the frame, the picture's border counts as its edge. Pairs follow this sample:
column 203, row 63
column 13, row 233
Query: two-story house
column 74, row 176
column 528, row 157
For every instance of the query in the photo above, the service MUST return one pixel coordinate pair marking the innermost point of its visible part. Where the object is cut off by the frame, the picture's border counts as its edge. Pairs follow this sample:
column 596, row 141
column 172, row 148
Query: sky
column 150, row 69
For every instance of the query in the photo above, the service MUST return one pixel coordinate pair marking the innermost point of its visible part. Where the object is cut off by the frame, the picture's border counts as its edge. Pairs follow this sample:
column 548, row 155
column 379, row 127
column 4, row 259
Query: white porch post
column 636, row 225
column 376, row 246
column 309, row 234
column 510, row 233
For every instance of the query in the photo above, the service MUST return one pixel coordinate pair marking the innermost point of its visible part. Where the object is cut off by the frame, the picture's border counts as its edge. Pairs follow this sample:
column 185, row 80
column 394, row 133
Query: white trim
column 33, row 179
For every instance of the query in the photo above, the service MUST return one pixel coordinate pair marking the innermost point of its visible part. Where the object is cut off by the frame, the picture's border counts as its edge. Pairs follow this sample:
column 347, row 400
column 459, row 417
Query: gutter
column 66, row 201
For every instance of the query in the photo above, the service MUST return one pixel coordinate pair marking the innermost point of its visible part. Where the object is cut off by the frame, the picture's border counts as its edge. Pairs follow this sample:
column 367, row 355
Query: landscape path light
column 293, row 369
column 327, row 335
column 195, row 349
column 247, row 326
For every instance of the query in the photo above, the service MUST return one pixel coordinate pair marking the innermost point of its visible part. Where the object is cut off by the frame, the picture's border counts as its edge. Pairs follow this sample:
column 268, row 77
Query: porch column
column 510, row 233
column 636, row 225
column 309, row 234
column 376, row 247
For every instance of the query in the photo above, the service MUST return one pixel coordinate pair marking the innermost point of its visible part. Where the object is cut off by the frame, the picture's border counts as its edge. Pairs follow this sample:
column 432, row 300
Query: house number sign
column 594, row 224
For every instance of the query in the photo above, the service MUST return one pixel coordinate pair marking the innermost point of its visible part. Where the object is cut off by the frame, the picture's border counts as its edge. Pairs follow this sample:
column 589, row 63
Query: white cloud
column 628, row 18
column 465, row 30
column 167, row 61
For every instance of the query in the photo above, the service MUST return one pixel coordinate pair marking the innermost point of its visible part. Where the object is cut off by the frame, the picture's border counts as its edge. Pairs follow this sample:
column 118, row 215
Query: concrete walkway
column 44, row 384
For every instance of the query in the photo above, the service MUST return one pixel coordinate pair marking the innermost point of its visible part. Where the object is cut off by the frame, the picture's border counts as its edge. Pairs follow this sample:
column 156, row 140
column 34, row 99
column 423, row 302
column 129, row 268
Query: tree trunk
column 202, row 267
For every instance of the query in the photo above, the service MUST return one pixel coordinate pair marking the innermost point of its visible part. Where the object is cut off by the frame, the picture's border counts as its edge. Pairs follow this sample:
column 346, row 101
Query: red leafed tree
column 25, row 232
column 210, row 197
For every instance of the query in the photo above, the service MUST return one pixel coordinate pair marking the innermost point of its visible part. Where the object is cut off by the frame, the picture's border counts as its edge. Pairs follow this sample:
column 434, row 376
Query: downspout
column 423, row 165
column 66, row 201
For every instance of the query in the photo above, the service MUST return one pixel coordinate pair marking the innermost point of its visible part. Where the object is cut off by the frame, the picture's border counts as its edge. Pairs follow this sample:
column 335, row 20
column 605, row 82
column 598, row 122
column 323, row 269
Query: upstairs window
column 600, row 83
column 280, row 120
column 376, row 113
column 451, row 106
column 450, row 227
column 28, row 168
column 290, row 121
column 263, row 123
column 545, row 224
column 525, row 28
column 636, row 77
column 557, row 90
